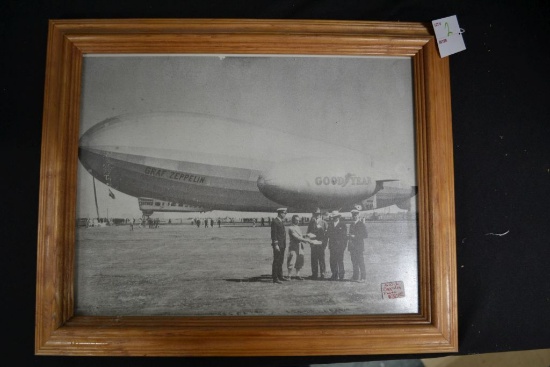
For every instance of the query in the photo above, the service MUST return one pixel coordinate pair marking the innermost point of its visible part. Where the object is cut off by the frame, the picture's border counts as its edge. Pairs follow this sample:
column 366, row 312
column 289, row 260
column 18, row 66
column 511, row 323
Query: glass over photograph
column 231, row 185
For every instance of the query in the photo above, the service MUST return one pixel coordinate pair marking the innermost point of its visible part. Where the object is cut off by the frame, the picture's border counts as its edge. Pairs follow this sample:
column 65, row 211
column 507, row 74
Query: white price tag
column 448, row 36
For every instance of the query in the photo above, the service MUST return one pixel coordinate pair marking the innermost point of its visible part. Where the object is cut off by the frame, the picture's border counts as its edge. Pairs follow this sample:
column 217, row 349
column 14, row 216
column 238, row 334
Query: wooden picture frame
column 59, row 332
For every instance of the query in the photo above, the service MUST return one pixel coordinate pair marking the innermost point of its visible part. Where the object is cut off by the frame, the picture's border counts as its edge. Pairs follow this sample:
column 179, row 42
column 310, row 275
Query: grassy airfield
column 182, row 270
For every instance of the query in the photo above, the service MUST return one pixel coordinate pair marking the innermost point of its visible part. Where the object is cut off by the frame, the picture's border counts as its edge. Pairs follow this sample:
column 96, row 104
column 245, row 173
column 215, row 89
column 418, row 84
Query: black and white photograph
column 149, row 149
column 246, row 185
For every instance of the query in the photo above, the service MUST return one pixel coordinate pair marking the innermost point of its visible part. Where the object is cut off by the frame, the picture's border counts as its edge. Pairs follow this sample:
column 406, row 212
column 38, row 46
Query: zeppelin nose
column 271, row 186
column 261, row 183
column 267, row 184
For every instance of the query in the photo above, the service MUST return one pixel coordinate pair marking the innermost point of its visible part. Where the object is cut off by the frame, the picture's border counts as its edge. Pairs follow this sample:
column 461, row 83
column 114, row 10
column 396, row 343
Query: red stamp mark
column 393, row 290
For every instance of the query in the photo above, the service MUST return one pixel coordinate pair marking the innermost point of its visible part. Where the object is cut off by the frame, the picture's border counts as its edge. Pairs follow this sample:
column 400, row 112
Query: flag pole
column 95, row 197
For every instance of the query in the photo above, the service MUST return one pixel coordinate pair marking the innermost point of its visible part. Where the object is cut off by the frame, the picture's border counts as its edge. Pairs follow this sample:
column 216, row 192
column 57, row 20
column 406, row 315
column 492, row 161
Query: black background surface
column 501, row 129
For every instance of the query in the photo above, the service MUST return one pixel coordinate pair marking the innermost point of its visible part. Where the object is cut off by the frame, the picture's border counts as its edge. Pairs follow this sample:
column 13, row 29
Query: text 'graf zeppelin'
column 174, row 175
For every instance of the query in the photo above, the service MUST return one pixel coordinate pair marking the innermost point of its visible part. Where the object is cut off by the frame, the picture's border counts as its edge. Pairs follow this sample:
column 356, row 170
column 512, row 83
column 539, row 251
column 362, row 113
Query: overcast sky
column 365, row 104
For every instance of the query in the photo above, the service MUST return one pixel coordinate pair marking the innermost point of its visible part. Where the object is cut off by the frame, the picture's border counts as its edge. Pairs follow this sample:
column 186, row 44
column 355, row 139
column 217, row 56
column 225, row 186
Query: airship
column 200, row 162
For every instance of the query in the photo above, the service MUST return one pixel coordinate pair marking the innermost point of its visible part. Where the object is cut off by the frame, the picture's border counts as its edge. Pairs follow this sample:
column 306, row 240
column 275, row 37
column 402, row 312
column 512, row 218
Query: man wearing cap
column 337, row 234
column 278, row 243
column 356, row 247
column 318, row 227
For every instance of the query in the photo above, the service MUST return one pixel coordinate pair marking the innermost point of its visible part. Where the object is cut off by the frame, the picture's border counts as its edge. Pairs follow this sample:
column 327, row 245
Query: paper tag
column 448, row 36
column 393, row 290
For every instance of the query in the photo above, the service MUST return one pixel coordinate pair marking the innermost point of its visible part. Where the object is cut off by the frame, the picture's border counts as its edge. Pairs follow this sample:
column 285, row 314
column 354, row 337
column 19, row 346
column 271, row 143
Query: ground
column 184, row 270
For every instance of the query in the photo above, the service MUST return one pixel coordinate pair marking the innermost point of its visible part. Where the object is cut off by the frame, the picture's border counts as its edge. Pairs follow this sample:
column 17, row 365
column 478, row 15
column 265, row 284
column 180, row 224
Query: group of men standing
column 321, row 234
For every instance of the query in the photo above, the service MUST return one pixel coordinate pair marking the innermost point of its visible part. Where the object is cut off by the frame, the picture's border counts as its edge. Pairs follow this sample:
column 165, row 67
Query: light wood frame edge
column 59, row 332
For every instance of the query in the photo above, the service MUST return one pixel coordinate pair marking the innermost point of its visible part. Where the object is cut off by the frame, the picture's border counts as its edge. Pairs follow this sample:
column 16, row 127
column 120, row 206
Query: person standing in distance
column 278, row 243
column 356, row 247
column 337, row 234
column 318, row 227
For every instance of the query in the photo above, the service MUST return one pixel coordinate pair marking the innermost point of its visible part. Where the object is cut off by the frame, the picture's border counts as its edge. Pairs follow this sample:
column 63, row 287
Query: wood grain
column 59, row 332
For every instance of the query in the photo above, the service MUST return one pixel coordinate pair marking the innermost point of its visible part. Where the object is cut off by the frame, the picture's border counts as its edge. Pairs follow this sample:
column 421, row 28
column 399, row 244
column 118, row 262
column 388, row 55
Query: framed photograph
column 211, row 186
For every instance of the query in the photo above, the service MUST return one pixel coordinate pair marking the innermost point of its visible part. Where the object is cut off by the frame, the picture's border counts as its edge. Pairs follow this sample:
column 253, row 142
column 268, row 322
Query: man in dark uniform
column 278, row 243
column 337, row 234
column 356, row 247
column 318, row 227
